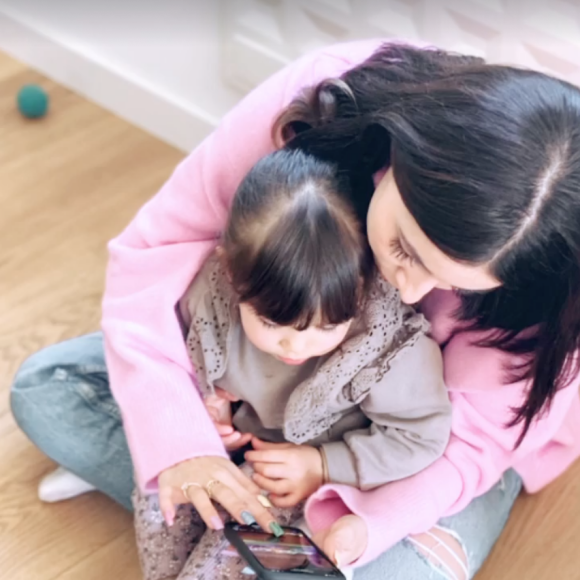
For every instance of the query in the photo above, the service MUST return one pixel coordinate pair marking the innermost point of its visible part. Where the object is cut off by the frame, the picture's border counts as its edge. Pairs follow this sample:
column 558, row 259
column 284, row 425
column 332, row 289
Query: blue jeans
column 61, row 399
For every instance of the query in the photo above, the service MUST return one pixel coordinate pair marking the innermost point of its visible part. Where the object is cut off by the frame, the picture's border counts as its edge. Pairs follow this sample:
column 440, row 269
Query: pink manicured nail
column 216, row 523
column 169, row 518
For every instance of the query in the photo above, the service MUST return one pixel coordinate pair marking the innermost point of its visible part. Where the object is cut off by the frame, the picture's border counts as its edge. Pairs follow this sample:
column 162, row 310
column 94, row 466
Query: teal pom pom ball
column 32, row 101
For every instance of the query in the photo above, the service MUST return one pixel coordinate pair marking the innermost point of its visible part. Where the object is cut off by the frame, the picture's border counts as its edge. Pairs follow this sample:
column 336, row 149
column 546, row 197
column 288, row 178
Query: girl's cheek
column 336, row 340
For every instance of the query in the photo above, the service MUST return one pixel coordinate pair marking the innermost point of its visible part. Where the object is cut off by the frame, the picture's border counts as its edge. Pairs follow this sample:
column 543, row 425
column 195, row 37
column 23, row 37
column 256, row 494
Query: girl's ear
column 221, row 254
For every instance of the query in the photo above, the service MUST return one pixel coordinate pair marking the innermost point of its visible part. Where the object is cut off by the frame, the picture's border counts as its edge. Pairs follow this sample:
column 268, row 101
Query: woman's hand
column 345, row 541
column 290, row 473
column 219, row 406
column 203, row 479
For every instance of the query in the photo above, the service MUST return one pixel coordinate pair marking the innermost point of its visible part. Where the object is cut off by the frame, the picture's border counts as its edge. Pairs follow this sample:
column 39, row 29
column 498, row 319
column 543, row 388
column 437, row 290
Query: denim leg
column 61, row 399
column 477, row 528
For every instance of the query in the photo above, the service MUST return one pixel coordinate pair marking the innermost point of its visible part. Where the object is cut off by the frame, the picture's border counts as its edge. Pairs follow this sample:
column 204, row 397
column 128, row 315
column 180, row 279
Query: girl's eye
column 328, row 328
column 399, row 252
column 267, row 323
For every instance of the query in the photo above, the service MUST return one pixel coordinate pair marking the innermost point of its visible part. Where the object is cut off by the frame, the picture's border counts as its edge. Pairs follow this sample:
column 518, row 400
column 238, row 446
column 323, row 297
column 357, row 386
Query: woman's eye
column 267, row 323
column 399, row 252
column 463, row 292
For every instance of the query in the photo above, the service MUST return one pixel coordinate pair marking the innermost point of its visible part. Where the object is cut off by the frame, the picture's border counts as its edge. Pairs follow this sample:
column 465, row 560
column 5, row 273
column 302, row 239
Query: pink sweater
column 152, row 263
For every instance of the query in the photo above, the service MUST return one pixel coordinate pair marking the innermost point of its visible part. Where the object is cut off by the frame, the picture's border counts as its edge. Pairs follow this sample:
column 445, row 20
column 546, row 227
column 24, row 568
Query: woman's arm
column 480, row 450
column 155, row 258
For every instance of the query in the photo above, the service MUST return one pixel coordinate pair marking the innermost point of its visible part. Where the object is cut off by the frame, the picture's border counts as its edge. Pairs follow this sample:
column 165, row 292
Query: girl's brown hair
column 293, row 245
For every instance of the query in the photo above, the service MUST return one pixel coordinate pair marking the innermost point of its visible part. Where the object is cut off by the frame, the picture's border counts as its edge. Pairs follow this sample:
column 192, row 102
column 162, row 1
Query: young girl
column 289, row 317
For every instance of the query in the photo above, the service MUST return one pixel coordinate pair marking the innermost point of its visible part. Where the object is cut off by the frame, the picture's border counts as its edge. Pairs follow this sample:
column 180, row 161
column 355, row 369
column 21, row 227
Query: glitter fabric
column 187, row 550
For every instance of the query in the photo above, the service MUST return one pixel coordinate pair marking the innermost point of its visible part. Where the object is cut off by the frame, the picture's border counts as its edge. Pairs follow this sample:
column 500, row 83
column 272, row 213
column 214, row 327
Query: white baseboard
column 172, row 120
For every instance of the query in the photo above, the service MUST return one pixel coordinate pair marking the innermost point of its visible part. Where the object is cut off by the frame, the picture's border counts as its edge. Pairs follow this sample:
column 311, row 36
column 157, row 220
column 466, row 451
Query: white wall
column 170, row 49
column 541, row 34
column 175, row 67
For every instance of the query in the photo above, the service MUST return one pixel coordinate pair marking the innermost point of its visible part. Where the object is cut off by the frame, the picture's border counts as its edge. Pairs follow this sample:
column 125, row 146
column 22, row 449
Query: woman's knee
column 41, row 389
column 84, row 351
column 442, row 550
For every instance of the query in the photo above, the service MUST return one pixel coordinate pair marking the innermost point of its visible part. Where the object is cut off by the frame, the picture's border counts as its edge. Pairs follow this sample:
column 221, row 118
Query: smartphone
column 289, row 557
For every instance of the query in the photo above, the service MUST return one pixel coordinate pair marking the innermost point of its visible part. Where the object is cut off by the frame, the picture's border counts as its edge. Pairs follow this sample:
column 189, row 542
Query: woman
column 477, row 174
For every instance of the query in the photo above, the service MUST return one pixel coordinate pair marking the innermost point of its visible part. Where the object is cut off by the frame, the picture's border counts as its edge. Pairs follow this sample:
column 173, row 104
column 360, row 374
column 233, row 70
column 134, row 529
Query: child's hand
column 290, row 473
column 219, row 406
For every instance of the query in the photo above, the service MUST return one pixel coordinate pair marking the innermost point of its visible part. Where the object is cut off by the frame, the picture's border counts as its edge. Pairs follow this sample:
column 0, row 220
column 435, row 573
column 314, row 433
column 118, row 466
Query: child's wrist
column 324, row 463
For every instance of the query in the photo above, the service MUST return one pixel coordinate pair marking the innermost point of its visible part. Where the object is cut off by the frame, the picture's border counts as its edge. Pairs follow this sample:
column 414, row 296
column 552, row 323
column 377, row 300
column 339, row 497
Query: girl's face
column 406, row 258
column 287, row 344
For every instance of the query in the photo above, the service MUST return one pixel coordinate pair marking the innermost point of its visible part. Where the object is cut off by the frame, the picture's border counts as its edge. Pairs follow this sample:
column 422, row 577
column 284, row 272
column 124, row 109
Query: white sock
column 61, row 484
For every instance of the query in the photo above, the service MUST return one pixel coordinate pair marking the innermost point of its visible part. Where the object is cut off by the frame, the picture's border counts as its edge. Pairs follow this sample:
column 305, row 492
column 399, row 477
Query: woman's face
column 406, row 258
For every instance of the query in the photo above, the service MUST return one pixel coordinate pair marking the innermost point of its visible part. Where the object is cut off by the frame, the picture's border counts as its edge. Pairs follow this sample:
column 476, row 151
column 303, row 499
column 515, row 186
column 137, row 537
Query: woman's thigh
column 61, row 399
column 457, row 547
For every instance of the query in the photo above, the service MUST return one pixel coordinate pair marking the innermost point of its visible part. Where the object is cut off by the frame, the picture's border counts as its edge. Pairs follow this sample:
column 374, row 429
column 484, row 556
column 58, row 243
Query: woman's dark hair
column 487, row 160
column 293, row 245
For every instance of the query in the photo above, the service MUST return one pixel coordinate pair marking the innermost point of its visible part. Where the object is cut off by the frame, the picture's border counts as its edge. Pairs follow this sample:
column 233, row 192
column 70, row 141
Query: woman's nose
column 414, row 286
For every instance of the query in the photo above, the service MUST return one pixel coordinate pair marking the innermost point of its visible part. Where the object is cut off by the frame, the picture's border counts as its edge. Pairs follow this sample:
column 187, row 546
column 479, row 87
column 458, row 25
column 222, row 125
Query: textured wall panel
column 260, row 36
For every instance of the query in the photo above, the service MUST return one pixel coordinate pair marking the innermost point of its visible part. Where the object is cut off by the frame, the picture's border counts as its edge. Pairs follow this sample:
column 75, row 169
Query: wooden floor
column 68, row 184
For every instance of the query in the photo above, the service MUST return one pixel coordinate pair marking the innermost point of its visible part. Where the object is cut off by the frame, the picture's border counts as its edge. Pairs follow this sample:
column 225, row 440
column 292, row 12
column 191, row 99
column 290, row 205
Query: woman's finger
column 225, row 430
column 231, row 442
column 273, row 470
column 247, row 486
column 166, row 505
column 230, row 501
column 275, row 486
column 230, row 439
column 246, row 437
column 245, row 504
column 202, row 503
column 213, row 413
column 225, row 395
column 236, row 441
column 243, row 440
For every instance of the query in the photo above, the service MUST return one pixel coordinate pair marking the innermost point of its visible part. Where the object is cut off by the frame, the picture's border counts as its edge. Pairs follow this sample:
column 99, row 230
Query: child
column 290, row 317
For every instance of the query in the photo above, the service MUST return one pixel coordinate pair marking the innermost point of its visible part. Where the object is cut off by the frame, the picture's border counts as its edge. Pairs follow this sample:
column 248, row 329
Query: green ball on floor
column 32, row 101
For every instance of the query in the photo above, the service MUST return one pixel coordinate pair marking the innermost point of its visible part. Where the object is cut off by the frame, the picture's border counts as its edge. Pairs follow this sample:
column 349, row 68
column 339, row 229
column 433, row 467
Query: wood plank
column 70, row 182
column 114, row 560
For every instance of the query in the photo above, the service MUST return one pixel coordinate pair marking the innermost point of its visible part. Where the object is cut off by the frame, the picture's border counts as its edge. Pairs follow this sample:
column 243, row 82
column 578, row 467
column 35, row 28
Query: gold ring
column 187, row 485
column 210, row 485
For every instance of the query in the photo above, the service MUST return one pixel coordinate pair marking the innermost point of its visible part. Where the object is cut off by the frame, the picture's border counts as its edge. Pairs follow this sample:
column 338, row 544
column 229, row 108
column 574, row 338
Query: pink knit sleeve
column 480, row 450
column 155, row 258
